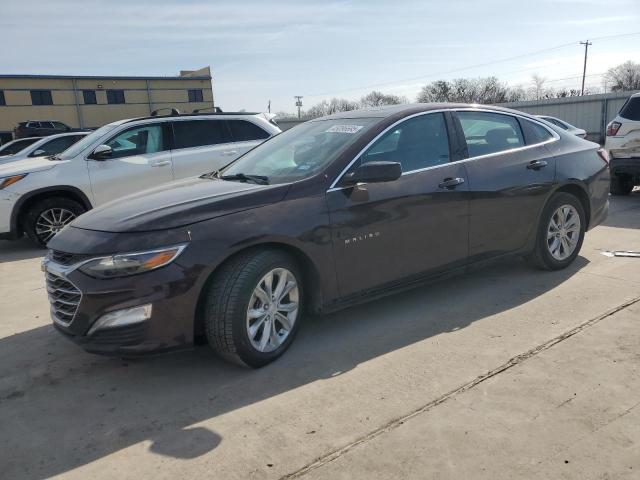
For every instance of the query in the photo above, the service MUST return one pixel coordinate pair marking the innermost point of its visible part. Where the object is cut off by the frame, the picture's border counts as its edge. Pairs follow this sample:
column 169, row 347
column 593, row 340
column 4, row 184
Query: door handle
column 229, row 152
column 537, row 164
column 451, row 183
column 161, row 164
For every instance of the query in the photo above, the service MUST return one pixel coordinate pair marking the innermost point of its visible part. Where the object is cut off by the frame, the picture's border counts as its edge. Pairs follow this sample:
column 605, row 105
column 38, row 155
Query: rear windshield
column 631, row 109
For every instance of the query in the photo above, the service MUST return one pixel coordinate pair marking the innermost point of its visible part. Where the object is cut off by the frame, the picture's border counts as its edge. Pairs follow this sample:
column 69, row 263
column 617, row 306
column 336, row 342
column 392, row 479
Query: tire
column 230, row 296
column 35, row 217
column 621, row 185
column 548, row 255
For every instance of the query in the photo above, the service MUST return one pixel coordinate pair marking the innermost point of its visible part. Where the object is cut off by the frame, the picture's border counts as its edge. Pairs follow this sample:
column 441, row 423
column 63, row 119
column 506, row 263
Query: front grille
column 66, row 259
column 64, row 298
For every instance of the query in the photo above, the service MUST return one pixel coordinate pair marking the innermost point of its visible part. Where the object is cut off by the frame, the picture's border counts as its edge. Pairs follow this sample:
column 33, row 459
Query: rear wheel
column 253, row 307
column 560, row 232
column 47, row 217
column 621, row 184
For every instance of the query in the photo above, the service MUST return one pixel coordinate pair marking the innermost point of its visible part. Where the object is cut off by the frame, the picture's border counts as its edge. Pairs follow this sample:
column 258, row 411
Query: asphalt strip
column 335, row 454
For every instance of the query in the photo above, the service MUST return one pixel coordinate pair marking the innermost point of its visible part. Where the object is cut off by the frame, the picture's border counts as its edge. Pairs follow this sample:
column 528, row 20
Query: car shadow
column 61, row 408
column 21, row 249
column 619, row 208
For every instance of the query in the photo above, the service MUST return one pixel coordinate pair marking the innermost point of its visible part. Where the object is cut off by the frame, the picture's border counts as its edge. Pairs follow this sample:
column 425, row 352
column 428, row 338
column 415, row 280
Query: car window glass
column 631, row 109
column 198, row 133
column 46, row 125
column 487, row 133
column 534, row 132
column 56, row 146
column 16, row 146
column 419, row 142
column 33, row 125
column 242, row 130
column 59, row 126
column 137, row 141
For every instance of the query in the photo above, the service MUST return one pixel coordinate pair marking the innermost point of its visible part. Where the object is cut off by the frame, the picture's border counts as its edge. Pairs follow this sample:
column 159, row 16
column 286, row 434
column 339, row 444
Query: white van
column 39, row 196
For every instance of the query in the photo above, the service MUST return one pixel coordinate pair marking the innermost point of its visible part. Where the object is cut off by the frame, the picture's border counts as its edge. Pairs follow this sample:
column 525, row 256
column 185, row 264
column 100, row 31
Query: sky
column 272, row 50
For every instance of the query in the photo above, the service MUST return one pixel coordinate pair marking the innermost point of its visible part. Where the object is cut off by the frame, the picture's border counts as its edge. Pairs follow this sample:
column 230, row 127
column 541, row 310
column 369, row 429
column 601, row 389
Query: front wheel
column 47, row 217
column 253, row 309
column 560, row 232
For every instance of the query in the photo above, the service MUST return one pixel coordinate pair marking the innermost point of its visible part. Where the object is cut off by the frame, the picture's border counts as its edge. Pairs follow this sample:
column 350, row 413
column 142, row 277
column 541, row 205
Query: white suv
column 623, row 145
column 39, row 196
column 42, row 146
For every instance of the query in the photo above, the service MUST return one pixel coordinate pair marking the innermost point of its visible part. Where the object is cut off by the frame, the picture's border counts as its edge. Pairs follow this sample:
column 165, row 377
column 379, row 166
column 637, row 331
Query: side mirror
column 38, row 153
column 374, row 172
column 102, row 152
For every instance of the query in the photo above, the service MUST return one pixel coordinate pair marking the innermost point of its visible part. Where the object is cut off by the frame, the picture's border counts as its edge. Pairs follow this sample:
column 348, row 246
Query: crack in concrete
column 393, row 424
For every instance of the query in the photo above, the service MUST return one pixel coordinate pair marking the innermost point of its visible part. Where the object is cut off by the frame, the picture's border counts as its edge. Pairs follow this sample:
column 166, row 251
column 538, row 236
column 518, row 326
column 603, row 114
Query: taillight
column 604, row 155
column 612, row 129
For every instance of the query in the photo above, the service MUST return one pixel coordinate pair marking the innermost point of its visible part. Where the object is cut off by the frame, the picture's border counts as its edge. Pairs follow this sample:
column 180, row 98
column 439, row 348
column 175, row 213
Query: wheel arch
column 311, row 279
column 581, row 194
column 27, row 200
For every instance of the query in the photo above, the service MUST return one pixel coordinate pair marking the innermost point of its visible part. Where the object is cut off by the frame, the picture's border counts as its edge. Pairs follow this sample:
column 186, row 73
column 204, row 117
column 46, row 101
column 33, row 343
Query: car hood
column 177, row 204
column 14, row 166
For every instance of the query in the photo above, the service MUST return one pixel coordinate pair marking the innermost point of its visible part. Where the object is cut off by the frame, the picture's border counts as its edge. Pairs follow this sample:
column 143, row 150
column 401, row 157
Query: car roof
column 410, row 108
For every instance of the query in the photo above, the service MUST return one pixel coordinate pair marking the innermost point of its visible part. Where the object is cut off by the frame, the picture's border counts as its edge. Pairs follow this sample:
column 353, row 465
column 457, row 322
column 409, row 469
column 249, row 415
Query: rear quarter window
column 199, row 133
column 534, row 132
column 631, row 109
column 242, row 130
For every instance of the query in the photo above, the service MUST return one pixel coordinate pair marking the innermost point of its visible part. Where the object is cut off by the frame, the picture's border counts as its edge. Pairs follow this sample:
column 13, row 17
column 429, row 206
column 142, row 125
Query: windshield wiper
column 210, row 175
column 259, row 179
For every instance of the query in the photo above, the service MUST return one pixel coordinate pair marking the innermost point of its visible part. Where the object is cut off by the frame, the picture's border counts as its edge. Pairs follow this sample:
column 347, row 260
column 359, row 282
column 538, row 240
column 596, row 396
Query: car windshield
column 300, row 152
column 79, row 146
column 16, row 146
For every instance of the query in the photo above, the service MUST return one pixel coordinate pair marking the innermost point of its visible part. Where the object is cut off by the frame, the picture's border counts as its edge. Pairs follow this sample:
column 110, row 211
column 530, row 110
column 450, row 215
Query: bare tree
column 538, row 86
column 625, row 76
column 379, row 99
column 476, row 90
column 332, row 106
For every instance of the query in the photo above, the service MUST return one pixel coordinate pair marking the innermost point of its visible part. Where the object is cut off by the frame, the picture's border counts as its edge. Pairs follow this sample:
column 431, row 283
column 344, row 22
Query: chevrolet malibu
column 333, row 212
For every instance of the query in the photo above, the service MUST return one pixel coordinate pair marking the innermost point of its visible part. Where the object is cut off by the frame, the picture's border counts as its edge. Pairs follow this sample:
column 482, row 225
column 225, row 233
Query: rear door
column 141, row 159
column 200, row 146
column 510, row 173
column 246, row 135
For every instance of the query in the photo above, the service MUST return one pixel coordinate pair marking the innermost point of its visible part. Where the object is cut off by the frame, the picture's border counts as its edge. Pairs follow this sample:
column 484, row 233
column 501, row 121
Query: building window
column 115, row 96
column 41, row 97
column 2, row 100
column 195, row 95
column 89, row 97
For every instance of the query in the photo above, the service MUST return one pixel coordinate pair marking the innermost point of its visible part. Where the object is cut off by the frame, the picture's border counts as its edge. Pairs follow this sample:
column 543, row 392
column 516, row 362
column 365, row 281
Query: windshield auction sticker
column 344, row 129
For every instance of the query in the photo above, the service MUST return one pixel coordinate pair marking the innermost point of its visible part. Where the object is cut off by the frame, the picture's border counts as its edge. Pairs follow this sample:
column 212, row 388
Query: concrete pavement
column 459, row 379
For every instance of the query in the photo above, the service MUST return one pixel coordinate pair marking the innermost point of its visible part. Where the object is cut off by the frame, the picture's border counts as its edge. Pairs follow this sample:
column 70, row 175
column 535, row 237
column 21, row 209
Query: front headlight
column 131, row 263
column 6, row 181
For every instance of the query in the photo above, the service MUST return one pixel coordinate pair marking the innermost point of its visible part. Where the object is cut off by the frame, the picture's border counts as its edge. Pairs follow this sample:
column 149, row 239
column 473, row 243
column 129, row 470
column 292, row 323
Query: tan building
column 89, row 102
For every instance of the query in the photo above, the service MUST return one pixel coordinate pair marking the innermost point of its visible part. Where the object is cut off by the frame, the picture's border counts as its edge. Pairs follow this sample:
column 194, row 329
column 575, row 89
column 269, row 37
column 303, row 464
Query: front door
column 384, row 233
column 140, row 159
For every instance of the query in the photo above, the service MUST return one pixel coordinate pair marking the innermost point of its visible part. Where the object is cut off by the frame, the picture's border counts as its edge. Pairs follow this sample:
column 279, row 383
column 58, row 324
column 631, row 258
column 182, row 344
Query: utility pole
column 298, row 103
column 269, row 107
column 584, row 70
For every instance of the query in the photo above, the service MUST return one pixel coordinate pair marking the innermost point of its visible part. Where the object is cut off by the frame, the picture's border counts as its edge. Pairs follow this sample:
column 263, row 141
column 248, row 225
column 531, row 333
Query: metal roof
column 103, row 77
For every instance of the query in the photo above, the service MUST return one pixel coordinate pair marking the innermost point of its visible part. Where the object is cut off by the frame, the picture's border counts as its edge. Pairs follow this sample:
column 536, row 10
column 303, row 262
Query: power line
column 470, row 67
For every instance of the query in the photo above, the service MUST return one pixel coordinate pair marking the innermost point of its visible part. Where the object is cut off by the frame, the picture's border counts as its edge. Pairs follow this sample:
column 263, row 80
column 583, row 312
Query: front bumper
column 625, row 166
column 170, row 290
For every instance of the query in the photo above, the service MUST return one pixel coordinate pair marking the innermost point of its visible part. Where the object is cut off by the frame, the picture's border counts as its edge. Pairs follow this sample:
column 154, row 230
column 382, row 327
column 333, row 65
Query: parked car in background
column 42, row 128
column 39, row 196
column 578, row 132
column 44, row 146
column 332, row 212
column 15, row 146
column 623, row 144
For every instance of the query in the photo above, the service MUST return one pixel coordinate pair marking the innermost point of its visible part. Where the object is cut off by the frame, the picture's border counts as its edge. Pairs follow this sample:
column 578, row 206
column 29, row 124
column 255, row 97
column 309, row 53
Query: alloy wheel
column 563, row 232
column 51, row 221
column 273, row 310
